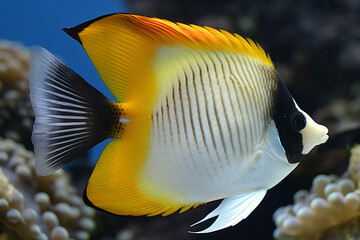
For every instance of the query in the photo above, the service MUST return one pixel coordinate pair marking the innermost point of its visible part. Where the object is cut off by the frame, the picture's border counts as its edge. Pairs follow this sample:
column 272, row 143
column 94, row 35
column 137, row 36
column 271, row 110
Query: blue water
column 40, row 22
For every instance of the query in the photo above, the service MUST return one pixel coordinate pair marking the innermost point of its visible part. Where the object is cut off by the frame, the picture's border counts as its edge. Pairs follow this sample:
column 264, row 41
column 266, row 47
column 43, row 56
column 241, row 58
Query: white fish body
column 195, row 128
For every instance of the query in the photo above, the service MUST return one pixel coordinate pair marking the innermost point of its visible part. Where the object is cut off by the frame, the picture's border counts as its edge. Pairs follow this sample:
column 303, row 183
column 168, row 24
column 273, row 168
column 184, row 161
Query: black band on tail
column 71, row 116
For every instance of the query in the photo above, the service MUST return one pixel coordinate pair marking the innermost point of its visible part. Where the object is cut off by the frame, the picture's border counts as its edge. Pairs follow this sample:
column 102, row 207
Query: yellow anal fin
column 113, row 185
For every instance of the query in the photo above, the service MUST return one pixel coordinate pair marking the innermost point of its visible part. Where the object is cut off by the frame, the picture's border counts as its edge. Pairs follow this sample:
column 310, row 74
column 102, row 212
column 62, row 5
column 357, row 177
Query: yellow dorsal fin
column 122, row 47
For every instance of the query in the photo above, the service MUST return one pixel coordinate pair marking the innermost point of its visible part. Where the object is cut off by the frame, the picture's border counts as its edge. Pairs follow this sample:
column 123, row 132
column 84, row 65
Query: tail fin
column 71, row 116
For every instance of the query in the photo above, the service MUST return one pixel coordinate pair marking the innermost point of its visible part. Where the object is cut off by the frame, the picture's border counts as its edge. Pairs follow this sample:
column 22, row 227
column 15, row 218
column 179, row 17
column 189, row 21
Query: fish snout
column 323, row 134
column 313, row 134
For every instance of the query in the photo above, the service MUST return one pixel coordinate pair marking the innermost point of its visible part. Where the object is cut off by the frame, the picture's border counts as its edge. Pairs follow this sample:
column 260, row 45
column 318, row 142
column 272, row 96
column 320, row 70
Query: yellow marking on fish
column 140, row 59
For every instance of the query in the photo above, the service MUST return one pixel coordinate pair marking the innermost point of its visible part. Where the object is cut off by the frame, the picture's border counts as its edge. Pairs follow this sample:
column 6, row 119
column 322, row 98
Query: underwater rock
column 39, row 207
column 16, row 115
column 332, row 206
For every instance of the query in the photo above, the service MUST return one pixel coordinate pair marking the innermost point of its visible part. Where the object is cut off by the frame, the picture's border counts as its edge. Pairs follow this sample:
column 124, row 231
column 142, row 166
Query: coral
column 39, row 207
column 16, row 115
column 346, row 231
column 332, row 205
column 14, row 64
column 6, row 234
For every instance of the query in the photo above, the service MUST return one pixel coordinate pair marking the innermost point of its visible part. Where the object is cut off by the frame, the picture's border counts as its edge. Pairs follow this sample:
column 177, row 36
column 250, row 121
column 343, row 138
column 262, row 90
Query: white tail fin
column 70, row 115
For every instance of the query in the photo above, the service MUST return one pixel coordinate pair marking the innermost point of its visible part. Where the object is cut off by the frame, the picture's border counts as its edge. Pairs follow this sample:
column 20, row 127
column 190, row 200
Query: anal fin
column 232, row 210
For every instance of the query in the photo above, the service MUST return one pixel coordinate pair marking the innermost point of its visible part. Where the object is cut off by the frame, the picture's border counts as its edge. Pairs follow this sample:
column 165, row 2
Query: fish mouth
column 322, row 134
column 324, row 138
column 313, row 134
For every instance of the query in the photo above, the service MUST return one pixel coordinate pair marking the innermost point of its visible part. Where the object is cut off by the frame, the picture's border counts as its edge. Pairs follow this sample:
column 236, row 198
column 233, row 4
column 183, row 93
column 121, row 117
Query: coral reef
column 39, row 207
column 16, row 115
column 332, row 205
column 31, row 206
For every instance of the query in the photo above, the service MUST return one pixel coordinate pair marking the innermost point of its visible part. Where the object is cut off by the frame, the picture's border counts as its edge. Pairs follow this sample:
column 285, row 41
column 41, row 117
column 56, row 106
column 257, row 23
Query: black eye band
column 298, row 121
column 289, row 122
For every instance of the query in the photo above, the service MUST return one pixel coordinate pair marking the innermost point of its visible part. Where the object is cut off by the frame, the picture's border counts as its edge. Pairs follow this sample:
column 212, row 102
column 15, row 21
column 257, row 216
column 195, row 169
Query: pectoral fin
column 232, row 210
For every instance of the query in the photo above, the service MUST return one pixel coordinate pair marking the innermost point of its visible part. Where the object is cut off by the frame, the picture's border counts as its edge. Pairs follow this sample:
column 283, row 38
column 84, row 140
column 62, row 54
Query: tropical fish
column 201, row 114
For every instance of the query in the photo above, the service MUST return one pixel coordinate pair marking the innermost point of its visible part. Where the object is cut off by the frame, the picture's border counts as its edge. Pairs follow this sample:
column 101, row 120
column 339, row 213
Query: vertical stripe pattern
column 209, row 121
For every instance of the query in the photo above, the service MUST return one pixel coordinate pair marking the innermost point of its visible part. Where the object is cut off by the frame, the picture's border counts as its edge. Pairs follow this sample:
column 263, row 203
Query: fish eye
column 298, row 121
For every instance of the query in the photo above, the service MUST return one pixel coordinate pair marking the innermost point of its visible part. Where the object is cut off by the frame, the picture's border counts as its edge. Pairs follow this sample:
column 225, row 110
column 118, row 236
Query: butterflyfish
column 200, row 115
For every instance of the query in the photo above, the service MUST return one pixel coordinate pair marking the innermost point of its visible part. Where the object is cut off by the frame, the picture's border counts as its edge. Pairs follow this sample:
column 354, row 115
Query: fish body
column 201, row 115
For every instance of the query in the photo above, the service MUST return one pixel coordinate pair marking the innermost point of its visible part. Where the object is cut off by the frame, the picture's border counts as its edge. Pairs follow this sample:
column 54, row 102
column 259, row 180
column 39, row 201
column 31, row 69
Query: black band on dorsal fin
column 74, row 31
